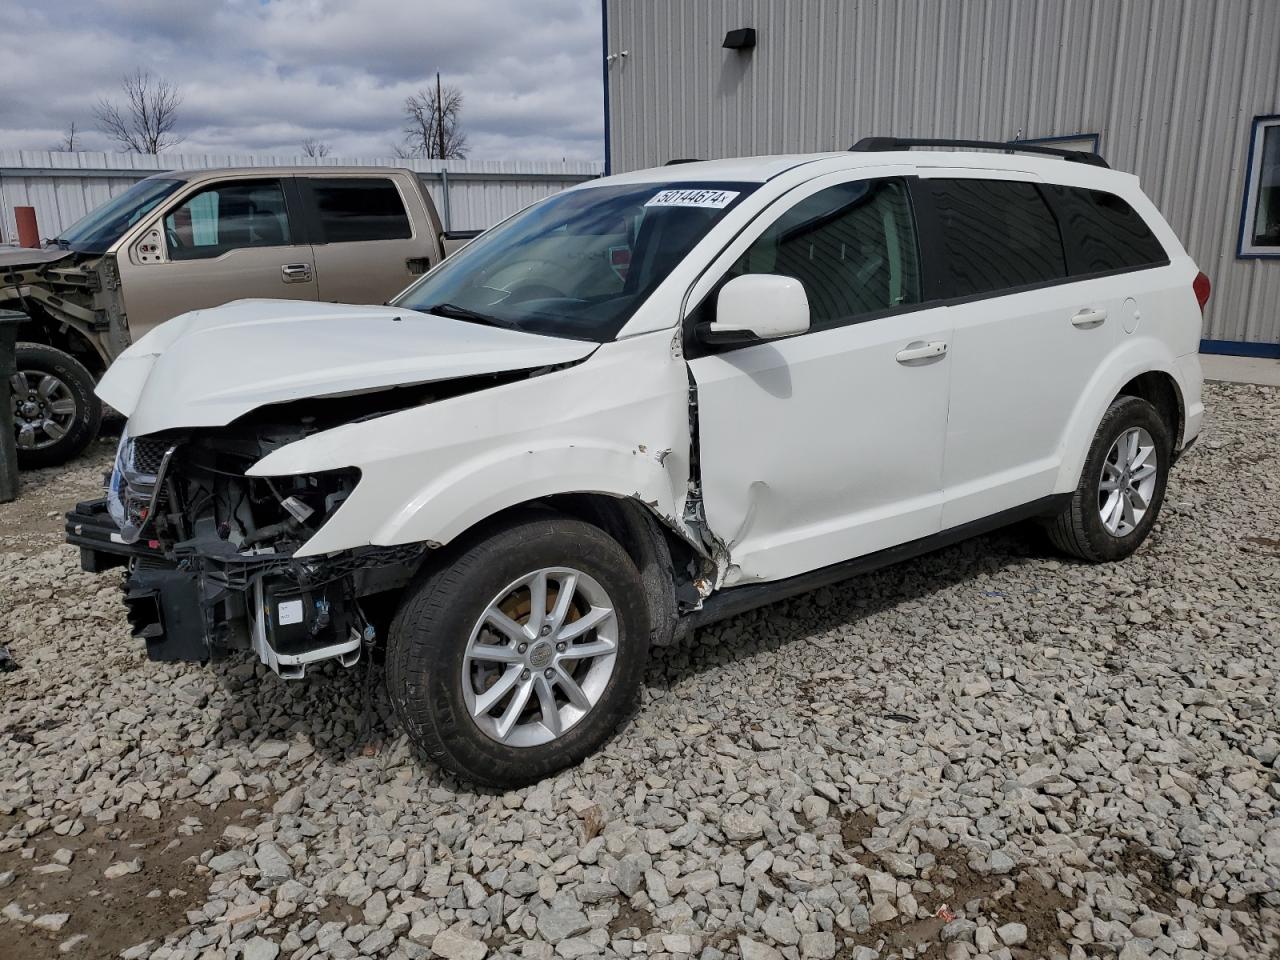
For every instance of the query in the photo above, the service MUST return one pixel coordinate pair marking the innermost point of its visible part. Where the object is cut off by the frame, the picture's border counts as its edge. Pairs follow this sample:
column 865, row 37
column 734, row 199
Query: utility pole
column 439, row 117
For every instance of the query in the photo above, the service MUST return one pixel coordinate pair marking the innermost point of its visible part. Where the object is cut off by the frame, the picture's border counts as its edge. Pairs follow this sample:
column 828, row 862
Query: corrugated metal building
column 1184, row 93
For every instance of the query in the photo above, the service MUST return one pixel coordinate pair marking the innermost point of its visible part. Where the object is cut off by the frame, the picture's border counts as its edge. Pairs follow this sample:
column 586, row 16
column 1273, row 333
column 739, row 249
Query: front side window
column 228, row 216
column 1104, row 232
column 579, row 263
column 1260, row 230
column 359, row 209
column 996, row 235
column 852, row 246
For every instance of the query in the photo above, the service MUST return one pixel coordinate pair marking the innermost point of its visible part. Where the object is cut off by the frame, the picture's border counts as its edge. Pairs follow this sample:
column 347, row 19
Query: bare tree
column 70, row 140
column 145, row 122
column 312, row 147
column 432, row 127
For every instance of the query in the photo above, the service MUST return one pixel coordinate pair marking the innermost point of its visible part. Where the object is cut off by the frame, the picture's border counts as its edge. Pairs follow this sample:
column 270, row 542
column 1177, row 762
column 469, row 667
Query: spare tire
column 56, row 414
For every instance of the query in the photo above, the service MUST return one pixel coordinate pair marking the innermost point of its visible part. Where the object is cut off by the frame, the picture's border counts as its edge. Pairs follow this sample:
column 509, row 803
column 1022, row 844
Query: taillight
column 1201, row 286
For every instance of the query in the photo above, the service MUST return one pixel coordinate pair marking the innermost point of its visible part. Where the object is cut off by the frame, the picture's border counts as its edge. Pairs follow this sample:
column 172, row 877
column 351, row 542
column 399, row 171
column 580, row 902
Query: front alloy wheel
column 521, row 652
column 55, row 412
column 540, row 657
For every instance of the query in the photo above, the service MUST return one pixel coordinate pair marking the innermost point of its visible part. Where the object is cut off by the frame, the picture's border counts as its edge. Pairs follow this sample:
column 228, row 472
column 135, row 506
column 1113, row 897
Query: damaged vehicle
column 190, row 239
column 642, row 405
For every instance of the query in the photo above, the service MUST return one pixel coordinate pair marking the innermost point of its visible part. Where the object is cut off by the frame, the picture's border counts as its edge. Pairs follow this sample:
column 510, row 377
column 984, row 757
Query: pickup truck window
column 228, row 216
column 101, row 228
column 358, row 209
column 577, row 264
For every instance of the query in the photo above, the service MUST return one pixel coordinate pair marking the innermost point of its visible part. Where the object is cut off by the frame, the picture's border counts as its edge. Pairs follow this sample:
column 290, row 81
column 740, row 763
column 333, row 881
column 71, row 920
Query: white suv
column 642, row 405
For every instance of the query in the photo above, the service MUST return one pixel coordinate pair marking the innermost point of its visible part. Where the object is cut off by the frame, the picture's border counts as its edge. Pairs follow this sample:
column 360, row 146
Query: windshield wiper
column 455, row 312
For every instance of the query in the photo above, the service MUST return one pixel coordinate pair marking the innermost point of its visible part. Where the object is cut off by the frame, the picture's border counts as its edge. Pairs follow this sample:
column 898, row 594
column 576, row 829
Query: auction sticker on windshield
column 715, row 199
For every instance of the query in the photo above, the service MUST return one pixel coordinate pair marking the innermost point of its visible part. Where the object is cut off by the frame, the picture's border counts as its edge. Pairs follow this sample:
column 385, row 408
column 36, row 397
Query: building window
column 1260, row 220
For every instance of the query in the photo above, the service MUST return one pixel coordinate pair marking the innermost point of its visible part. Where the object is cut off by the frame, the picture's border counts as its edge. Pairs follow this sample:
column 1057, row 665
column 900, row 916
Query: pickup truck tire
column 55, row 411
column 506, row 698
column 1121, row 488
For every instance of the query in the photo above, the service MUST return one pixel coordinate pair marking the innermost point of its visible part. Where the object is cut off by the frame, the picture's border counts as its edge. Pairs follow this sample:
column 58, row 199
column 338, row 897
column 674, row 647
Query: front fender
column 1132, row 358
column 616, row 424
column 458, row 498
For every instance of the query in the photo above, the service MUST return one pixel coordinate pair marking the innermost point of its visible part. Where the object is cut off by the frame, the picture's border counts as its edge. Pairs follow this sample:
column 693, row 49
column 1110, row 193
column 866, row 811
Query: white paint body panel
column 616, row 424
column 822, row 447
column 813, row 449
column 208, row 367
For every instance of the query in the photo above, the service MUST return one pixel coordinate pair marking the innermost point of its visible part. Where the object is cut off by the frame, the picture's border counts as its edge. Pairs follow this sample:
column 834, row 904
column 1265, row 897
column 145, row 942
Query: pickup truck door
column 370, row 240
column 232, row 239
column 826, row 446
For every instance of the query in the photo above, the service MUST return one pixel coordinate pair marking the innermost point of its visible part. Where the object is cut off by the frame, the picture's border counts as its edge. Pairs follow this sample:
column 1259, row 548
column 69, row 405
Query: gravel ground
column 985, row 752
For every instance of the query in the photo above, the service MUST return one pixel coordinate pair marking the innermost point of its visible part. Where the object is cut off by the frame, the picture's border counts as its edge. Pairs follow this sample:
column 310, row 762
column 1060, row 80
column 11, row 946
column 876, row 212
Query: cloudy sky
column 262, row 75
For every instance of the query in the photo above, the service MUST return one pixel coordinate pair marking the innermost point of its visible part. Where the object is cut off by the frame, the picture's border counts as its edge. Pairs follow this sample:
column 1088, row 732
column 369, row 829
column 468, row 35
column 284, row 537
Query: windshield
column 578, row 264
column 100, row 228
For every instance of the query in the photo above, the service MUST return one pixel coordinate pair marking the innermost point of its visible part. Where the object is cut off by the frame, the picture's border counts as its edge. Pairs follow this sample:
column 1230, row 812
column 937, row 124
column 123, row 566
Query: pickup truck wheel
column 55, row 411
column 1121, row 487
column 522, row 656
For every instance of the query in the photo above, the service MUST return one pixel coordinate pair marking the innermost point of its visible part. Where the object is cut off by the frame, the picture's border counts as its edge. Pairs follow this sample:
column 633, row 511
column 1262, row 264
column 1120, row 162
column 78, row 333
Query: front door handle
column 918, row 352
column 295, row 273
column 1088, row 318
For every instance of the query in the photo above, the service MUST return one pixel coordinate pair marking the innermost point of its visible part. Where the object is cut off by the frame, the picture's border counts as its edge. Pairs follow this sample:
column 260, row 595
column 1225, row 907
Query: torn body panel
column 431, row 472
column 74, row 295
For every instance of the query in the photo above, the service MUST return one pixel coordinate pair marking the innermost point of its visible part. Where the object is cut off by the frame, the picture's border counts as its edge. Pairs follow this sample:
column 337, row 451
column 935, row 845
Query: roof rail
column 869, row 144
column 672, row 163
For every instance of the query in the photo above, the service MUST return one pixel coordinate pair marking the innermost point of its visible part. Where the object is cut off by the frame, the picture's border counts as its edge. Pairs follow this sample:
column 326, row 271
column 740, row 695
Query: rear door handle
column 1088, row 318
column 919, row 351
column 295, row 272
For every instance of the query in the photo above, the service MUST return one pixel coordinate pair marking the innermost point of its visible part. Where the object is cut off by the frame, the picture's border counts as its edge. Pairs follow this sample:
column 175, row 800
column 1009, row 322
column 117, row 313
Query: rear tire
column 448, row 656
column 56, row 413
column 1118, row 498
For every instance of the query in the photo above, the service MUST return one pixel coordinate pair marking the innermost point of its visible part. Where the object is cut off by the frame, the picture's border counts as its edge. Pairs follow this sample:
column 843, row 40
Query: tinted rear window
column 996, row 235
column 1103, row 231
column 357, row 208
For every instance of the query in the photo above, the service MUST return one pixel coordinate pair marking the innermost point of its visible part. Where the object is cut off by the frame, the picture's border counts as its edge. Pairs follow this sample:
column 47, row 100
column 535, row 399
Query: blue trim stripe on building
column 1241, row 348
column 604, row 72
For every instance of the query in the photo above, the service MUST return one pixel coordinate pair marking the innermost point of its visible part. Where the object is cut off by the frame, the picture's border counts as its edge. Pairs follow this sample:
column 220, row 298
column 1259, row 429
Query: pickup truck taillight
column 1201, row 286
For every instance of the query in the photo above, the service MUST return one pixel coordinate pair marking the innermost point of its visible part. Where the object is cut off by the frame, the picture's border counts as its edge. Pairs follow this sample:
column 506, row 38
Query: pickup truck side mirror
column 758, row 306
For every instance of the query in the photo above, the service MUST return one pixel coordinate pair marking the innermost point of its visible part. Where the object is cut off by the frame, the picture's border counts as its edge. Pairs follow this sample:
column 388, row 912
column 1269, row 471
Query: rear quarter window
column 996, row 235
column 359, row 208
column 1103, row 232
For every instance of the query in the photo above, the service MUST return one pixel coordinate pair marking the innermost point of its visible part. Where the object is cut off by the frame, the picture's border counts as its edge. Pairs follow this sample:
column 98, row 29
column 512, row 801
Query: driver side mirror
column 758, row 306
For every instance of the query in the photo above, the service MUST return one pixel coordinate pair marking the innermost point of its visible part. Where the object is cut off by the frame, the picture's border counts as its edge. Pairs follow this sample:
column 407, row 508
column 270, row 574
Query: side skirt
column 732, row 601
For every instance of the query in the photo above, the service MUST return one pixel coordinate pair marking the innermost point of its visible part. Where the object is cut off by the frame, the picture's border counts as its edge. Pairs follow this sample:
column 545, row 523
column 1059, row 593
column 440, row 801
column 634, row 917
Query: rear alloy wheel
column 55, row 412
column 521, row 656
column 1121, row 487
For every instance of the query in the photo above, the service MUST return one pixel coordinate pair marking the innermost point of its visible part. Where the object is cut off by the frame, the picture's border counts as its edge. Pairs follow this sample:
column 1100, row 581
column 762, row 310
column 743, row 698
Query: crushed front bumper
column 206, row 602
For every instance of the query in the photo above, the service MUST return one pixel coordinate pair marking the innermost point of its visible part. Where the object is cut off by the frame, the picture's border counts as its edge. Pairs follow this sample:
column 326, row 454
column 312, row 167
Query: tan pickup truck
column 198, row 238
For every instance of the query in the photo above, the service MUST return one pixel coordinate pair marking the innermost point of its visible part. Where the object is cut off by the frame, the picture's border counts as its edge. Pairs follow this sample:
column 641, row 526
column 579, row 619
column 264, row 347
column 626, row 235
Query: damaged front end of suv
column 223, row 558
column 211, row 550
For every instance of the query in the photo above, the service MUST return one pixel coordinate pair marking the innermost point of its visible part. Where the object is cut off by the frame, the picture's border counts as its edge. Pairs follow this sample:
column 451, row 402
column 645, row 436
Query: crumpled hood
column 208, row 367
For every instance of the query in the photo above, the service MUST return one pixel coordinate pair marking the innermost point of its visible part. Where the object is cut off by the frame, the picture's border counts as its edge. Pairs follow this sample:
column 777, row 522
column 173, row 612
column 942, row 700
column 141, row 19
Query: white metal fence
column 470, row 194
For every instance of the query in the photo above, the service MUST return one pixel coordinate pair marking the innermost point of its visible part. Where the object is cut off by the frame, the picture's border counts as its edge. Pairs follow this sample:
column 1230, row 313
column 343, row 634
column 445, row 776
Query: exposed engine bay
column 212, row 567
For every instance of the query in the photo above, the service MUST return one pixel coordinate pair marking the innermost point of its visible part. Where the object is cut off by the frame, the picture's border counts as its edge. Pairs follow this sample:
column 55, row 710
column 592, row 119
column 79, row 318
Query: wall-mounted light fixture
column 741, row 39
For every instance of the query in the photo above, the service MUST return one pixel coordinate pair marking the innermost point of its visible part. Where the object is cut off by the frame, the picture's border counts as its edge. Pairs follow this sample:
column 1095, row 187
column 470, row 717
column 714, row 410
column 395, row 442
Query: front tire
column 1121, row 486
column 56, row 414
column 522, row 656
